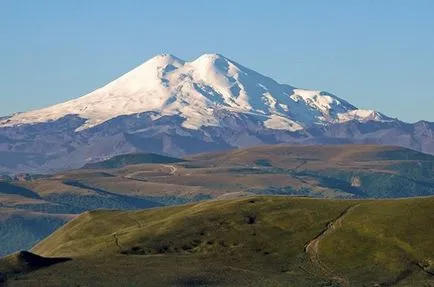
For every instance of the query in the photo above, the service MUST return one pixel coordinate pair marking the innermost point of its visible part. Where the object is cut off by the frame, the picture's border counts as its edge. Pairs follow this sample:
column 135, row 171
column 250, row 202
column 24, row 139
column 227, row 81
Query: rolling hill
column 131, row 159
column 253, row 241
column 340, row 171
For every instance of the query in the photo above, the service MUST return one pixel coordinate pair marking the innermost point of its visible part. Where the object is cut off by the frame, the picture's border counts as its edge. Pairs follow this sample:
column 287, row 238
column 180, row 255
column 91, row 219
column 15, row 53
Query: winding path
column 312, row 247
column 173, row 169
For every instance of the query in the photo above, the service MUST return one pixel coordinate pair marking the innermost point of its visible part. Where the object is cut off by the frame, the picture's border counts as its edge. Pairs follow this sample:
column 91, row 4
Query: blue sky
column 375, row 54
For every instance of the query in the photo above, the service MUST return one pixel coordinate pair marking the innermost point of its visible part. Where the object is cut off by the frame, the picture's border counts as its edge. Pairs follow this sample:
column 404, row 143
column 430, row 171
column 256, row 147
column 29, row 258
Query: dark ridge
column 24, row 262
column 8, row 188
column 404, row 154
column 130, row 201
column 194, row 281
column 31, row 260
column 129, row 159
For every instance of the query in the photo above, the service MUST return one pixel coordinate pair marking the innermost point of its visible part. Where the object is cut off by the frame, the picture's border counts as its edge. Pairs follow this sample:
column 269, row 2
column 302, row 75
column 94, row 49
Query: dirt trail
column 312, row 247
column 173, row 169
column 424, row 269
column 116, row 239
column 300, row 165
column 132, row 176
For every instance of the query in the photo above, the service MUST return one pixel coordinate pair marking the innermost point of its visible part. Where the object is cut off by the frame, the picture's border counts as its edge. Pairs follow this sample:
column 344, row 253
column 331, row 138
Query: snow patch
column 362, row 116
column 280, row 123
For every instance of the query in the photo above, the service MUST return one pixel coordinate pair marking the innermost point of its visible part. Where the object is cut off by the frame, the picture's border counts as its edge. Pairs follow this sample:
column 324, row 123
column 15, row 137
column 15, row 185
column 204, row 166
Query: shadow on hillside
column 194, row 281
column 133, row 202
column 8, row 188
column 23, row 262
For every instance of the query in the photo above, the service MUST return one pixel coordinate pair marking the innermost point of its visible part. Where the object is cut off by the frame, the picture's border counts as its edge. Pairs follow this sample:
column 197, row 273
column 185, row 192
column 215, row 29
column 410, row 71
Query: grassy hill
column 130, row 159
column 131, row 182
column 252, row 241
column 358, row 171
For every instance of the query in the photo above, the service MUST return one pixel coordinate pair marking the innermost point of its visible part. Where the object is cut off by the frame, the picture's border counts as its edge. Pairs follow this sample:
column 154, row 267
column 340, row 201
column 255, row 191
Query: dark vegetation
column 23, row 262
column 413, row 179
column 112, row 198
column 10, row 188
column 24, row 231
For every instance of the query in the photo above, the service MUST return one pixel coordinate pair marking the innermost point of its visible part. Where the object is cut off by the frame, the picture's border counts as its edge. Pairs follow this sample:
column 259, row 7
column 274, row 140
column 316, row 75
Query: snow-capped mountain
column 194, row 90
column 171, row 106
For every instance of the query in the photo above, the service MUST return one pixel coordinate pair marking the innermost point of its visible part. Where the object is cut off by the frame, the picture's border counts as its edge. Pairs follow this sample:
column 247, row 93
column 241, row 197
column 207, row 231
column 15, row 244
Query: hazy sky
column 375, row 54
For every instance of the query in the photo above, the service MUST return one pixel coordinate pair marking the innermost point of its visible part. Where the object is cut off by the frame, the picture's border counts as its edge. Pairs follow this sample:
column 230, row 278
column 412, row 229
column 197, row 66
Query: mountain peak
column 163, row 60
column 211, row 57
column 196, row 91
column 165, row 57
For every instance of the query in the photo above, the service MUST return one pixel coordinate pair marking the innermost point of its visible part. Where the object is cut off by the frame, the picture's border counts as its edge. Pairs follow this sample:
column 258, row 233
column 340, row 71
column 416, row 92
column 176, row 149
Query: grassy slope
column 387, row 241
column 249, row 242
column 213, row 240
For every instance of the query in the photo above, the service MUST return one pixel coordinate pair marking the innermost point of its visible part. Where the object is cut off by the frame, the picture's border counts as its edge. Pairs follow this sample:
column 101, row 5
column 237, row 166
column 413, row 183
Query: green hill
column 253, row 241
column 130, row 159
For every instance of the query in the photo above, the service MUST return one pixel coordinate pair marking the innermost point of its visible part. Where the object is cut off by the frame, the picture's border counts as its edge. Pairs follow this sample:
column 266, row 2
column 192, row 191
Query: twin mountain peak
column 196, row 91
